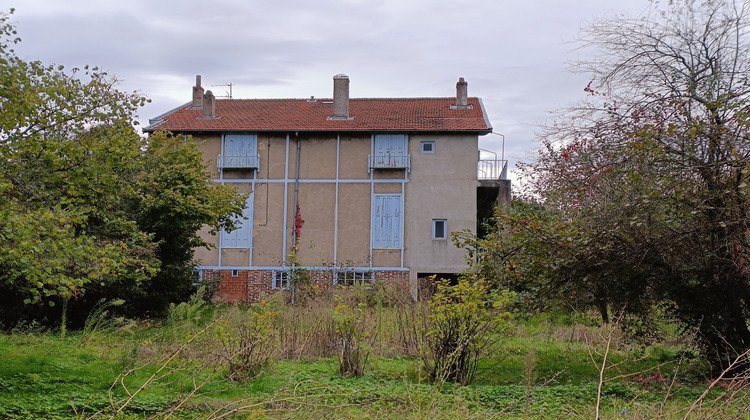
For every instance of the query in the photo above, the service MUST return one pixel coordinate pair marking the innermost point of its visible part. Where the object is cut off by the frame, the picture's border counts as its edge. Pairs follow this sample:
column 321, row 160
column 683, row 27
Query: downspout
column 296, row 185
column 296, row 210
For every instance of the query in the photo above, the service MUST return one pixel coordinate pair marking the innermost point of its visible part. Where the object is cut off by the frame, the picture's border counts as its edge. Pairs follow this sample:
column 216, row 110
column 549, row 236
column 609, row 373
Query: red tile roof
column 408, row 114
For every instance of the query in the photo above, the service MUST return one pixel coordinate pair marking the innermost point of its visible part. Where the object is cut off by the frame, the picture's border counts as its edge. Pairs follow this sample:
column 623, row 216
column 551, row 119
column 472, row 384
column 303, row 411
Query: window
column 281, row 279
column 240, row 151
column 386, row 221
column 391, row 152
column 241, row 237
column 439, row 229
column 235, row 273
column 352, row 277
column 427, row 147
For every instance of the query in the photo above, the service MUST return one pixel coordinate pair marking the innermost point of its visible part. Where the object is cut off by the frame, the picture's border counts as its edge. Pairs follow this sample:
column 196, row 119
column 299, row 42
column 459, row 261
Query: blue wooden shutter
column 238, row 148
column 386, row 223
column 390, row 149
column 243, row 235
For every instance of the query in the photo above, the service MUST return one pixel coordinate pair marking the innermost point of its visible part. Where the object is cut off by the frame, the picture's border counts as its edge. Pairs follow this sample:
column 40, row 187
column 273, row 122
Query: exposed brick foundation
column 250, row 286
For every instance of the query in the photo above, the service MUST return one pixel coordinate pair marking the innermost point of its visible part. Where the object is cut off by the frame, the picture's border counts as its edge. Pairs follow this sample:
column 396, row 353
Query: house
column 353, row 190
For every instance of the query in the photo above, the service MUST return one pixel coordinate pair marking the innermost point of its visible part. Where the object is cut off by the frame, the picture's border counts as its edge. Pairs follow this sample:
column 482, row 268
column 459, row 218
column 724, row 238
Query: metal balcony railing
column 238, row 162
column 492, row 169
column 389, row 162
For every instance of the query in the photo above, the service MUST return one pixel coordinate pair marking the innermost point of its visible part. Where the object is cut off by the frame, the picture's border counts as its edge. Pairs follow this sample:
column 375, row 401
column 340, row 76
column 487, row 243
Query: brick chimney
column 209, row 105
column 462, row 93
column 197, row 93
column 341, row 96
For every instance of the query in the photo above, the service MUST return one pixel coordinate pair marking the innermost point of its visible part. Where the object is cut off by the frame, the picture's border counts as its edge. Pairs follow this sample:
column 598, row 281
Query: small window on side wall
column 439, row 229
column 427, row 147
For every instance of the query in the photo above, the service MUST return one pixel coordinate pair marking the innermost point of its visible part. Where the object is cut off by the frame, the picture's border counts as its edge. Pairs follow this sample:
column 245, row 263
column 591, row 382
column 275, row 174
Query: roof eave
column 480, row 132
column 154, row 123
column 486, row 118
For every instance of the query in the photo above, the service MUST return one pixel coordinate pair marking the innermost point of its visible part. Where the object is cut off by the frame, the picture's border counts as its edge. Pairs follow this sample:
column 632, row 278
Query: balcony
column 492, row 169
column 238, row 162
column 389, row 162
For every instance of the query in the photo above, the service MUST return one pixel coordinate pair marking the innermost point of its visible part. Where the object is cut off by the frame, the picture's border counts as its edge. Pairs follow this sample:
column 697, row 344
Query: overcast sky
column 514, row 54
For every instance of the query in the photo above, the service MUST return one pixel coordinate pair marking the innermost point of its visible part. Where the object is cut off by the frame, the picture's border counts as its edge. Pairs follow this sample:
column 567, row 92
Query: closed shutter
column 242, row 236
column 239, row 150
column 391, row 150
column 386, row 223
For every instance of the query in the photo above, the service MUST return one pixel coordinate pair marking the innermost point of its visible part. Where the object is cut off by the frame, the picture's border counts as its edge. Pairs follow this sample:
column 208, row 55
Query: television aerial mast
column 229, row 92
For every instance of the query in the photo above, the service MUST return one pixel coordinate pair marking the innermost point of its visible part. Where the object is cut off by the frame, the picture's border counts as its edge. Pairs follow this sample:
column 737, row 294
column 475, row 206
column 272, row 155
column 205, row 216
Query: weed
column 247, row 340
column 98, row 321
column 353, row 350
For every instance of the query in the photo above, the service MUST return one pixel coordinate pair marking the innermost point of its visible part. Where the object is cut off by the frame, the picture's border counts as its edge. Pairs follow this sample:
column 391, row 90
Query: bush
column 247, row 338
column 464, row 319
column 353, row 351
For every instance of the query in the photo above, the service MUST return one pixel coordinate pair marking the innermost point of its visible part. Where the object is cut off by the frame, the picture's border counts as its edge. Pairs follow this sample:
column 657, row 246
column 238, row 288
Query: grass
column 542, row 369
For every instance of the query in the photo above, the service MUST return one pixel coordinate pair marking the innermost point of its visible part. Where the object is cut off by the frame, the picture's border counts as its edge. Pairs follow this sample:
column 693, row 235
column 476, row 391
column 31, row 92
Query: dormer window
column 391, row 152
column 239, row 151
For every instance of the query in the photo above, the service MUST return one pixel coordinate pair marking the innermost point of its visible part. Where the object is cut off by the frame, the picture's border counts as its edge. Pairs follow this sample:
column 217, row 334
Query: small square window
column 427, row 147
column 235, row 273
column 281, row 279
column 439, row 229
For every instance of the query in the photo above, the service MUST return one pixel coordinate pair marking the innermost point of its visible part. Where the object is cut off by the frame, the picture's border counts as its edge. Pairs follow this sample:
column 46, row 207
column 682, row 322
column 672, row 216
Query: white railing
column 389, row 162
column 238, row 162
column 493, row 169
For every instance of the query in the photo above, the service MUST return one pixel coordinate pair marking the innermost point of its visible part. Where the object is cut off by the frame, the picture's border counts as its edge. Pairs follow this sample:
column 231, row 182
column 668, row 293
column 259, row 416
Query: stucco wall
column 438, row 182
column 336, row 212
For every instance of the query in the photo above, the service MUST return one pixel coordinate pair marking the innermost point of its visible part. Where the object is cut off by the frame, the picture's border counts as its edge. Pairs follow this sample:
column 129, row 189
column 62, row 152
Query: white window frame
column 387, row 221
column 422, row 145
column 435, row 223
column 353, row 277
column 281, row 279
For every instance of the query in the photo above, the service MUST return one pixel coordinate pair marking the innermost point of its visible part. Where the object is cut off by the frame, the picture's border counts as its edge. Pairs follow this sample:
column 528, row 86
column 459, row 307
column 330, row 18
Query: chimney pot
column 197, row 93
column 209, row 105
column 341, row 96
column 462, row 93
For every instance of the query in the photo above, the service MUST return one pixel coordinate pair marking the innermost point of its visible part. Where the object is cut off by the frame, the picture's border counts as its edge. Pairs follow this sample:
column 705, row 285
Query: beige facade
column 356, row 212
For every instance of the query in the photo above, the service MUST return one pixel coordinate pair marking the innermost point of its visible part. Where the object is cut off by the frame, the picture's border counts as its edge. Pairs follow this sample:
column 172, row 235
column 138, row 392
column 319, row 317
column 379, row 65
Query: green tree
column 87, row 206
column 643, row 185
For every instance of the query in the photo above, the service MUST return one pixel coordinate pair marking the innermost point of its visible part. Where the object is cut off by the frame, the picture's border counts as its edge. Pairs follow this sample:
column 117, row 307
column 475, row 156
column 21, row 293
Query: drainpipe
column 296, row 208
column 296, row 185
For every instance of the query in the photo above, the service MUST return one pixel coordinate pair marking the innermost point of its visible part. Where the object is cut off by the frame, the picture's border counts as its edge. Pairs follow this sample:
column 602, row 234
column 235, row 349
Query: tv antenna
column 229, row 92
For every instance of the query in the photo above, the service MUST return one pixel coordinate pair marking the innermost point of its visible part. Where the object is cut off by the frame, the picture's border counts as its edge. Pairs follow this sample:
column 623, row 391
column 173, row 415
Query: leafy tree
column 87, row 206
column 644, row 185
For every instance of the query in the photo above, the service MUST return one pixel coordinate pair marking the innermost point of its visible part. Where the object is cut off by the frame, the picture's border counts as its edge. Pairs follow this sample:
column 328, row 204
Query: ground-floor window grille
column 352, row 277
column 281, row 279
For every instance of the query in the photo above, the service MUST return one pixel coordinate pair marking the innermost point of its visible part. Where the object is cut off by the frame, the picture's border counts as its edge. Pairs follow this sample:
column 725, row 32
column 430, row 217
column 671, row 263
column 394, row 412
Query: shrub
column 247, row 339
column 353, row 351
column 463, row 321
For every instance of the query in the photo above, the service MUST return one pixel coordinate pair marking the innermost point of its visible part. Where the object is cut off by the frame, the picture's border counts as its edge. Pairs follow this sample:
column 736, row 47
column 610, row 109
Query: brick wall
column 250, row 286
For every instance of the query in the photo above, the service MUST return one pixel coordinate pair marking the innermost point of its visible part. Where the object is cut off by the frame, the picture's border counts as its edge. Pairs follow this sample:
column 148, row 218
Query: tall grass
column 280, row 360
